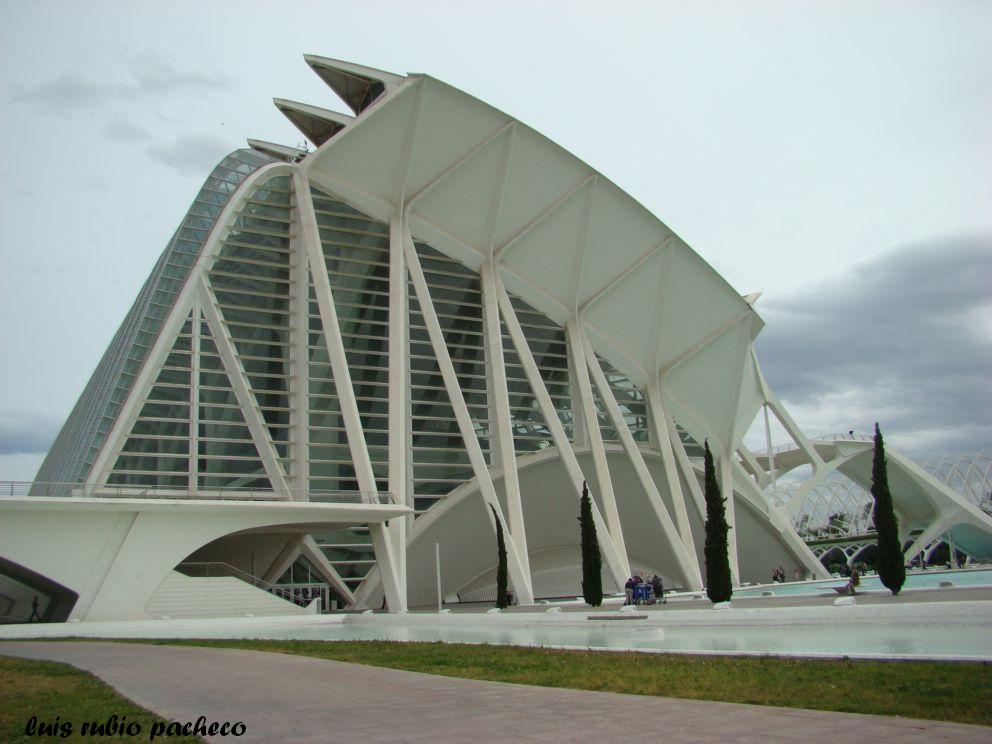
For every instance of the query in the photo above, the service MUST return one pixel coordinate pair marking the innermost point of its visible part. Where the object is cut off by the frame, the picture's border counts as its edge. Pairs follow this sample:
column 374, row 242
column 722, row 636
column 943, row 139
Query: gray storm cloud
column 26, row 433
column 904, row 338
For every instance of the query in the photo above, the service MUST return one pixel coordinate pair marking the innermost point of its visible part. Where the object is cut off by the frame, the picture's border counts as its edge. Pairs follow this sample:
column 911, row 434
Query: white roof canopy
column 317, row 124
column 480, row 186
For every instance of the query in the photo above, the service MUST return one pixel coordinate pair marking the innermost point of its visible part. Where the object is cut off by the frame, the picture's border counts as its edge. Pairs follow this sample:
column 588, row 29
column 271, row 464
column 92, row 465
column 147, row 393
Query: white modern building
column 347, row 356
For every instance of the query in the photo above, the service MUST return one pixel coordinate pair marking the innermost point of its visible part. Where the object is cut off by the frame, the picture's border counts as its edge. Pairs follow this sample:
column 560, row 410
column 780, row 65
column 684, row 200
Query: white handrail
column 10, row 489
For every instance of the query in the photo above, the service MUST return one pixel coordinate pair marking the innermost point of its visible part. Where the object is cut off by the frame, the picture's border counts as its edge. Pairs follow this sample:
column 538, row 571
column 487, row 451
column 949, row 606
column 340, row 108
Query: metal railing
column 298, row 594
column 90, row 490
column 789, row 446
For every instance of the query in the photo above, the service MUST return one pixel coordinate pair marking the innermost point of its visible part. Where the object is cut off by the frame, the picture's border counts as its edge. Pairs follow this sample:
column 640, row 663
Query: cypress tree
column 592, row 563
column 718, row 584
column 891, row 568
column 501, row 565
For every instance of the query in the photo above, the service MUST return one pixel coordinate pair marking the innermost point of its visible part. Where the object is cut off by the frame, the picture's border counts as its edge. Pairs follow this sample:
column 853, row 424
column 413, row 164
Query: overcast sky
column 833, row 155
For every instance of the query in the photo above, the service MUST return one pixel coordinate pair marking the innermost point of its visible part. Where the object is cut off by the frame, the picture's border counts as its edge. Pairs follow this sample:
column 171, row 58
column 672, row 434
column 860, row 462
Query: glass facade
column 85, row 431
column 249, row 284
column 191, row 431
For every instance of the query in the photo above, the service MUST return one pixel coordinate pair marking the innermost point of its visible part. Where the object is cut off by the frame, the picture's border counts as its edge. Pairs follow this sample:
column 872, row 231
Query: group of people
column 637, row 590
column 778, row 575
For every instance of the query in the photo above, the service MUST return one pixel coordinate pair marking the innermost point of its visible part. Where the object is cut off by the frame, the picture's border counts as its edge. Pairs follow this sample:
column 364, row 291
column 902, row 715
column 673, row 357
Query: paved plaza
column 293, row 698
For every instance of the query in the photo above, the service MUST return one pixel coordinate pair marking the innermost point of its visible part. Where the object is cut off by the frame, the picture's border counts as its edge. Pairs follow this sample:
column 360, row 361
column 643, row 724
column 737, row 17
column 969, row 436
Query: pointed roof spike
column 357, row 85
column 317, row 124
column 289, row 154
column 752, row 298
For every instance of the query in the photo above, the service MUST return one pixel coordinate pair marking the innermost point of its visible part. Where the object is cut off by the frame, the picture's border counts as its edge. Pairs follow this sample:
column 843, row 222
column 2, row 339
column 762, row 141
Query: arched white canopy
column 482, row 187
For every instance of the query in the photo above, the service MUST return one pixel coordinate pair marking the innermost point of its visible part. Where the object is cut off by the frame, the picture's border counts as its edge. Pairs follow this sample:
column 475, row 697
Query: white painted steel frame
column 685, row 554
column 145, row 379
column 519, row 579
column 196, row 298
column 299, row 352
column 664, row 441
column 194, row 394
column 615, row 563
column 242, row 391
column 594, row 435
column 389, row 555
column 501, row 423
column 306, row 250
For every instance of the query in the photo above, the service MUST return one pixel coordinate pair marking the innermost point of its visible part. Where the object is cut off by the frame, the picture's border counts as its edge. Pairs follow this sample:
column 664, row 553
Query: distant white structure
column 445, row 315
column 837, row 513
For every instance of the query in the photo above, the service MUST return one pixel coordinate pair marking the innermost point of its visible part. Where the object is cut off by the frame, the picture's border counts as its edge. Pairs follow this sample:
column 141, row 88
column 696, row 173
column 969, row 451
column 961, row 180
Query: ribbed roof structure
column 441, row 308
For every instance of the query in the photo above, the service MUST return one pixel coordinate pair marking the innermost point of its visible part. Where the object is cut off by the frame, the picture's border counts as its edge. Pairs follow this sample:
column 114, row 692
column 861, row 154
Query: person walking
column 35, row 615
column 854, row 581
column 659, row 589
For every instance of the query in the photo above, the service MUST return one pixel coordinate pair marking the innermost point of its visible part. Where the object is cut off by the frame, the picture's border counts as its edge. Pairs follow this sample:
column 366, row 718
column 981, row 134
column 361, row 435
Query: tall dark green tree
column 592, row 563
column 501, row 565
column 718, row 583
column 891, row 568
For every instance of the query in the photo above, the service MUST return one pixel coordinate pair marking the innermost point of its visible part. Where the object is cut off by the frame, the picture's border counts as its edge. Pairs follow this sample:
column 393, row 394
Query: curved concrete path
column 294, row 698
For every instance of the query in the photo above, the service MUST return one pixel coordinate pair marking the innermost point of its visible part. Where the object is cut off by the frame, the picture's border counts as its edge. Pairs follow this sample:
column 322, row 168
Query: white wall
column 182, row 596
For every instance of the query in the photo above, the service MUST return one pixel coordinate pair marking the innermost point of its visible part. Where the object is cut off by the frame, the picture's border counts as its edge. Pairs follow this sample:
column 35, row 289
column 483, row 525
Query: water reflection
column 845, row 638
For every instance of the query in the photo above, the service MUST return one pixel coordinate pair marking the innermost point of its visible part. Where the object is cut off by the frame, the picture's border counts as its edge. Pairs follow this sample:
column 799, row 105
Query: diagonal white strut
column 685, row 555
column 604, row 484
column 503, row 448
column 615, row 563
column 663, row 436
column 519, row 578
column 241, row 387
column 387, row 554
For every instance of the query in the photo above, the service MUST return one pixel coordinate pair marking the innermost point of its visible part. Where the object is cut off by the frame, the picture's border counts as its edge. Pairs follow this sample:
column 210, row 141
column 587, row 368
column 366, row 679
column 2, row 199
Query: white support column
column 389, row 573
column 246, row 400
column 519, row 578
column 400, row 465
column 750, row 492
column 687, row 562
column 299, row 362
column 194, row 396
column 580, row 429
column 385, row 553
column 574, row 339
column 614, row 562
column 501, row 421
column 771, row 455
column 281, row 563
column 685, row 467
column 796, row 433
column 659, row 419
column 725, row 474
column 400, row 454
column 754, row 468
column 312, row 552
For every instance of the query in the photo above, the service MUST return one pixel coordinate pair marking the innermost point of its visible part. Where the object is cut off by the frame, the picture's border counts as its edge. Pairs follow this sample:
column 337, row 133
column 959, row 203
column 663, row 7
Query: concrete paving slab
column 292, row 698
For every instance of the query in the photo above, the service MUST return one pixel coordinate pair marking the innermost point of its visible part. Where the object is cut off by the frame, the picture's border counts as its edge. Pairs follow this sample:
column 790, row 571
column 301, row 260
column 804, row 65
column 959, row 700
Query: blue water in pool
column 915, row 580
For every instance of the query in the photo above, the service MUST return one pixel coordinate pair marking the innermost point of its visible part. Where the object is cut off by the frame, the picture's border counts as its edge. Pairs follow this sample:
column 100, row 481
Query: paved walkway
column 293, row 698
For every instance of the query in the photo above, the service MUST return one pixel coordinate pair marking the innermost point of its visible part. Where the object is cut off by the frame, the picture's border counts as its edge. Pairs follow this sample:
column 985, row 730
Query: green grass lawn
column 60, row 695
column 946, row 691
